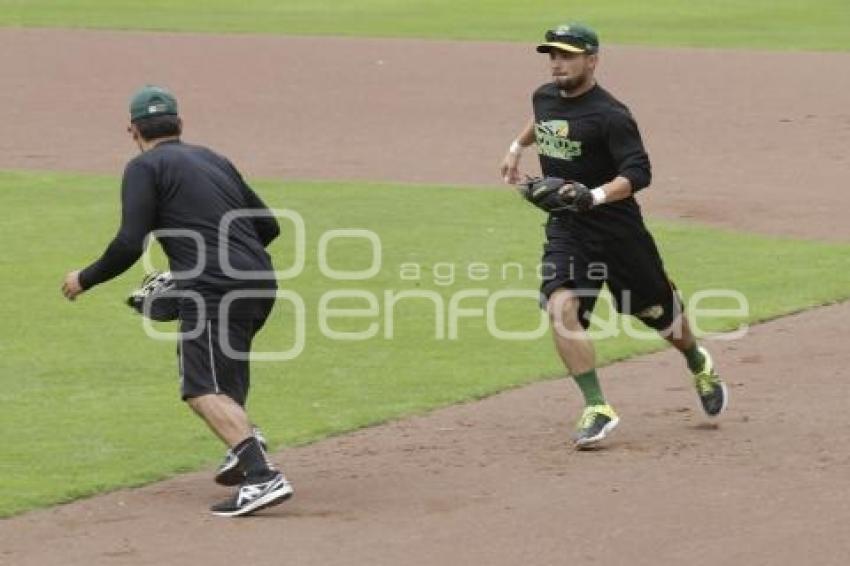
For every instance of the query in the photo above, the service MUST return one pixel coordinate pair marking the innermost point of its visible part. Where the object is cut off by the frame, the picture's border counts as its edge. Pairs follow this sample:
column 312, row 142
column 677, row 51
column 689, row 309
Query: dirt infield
column 738, row 139
column 748, row 140
column 496, row 483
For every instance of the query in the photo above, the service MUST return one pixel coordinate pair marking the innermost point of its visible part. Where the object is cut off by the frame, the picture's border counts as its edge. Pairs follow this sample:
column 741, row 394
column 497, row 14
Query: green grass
column 774, row 24
column 89, row 403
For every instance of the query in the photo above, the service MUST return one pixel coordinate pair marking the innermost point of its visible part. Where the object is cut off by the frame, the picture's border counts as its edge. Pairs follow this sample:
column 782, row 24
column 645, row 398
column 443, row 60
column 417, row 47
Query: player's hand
column 576, row 196
column 510, row 169
column 71, row 286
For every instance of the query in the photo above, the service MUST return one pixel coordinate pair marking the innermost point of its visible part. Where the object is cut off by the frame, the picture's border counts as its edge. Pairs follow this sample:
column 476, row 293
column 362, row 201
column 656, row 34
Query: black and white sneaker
column 229, row 473
column 255, row 495
column 594, row 425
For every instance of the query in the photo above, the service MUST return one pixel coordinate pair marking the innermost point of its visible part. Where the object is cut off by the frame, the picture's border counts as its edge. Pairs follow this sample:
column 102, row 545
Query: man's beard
column 570, row 84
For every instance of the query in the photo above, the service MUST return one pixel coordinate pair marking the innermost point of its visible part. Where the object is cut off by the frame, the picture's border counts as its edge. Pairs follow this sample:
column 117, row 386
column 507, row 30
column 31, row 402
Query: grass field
column 779, row 24
column 92, row 402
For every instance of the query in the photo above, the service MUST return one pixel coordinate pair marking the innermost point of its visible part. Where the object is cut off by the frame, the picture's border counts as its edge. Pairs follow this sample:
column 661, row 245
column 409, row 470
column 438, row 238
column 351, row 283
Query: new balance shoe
column 711, row 390
column 594, row 425
column 252, row 496
column 228, row 472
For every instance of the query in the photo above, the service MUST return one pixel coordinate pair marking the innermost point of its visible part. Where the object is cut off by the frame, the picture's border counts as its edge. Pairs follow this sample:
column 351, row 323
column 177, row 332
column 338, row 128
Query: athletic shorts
column 210, row 365
column 632, row 269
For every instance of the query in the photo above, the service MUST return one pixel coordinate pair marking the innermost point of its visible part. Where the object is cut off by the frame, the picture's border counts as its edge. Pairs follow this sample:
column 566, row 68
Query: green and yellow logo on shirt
column 553, row 140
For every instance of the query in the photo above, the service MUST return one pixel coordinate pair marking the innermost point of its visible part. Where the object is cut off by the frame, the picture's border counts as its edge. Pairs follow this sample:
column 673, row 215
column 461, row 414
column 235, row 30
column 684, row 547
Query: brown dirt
column 492, row 482
column 738, row 139
column 495, row 482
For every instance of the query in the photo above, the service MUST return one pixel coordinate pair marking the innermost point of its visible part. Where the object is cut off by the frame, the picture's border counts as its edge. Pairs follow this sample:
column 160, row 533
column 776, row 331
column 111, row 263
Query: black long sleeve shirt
column 592, row 138
column 178, row 186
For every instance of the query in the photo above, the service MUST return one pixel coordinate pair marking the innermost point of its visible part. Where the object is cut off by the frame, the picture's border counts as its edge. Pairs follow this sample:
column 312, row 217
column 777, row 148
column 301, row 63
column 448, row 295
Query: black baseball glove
column 156, row 298
column 577, row 197
column 553, row 194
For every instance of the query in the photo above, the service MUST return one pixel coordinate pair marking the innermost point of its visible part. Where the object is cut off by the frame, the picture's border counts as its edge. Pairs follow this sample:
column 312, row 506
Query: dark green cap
column 152, row 101
column 572, row 37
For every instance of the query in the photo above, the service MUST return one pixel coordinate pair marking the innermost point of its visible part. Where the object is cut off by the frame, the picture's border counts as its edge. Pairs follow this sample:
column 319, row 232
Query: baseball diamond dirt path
column 738, row 139
column 747, row 140
column 495, row 482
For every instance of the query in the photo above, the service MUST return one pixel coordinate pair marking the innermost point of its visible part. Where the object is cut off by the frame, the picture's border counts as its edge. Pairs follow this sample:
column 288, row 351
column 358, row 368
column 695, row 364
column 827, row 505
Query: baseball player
column 592, row 156
column 188, row 189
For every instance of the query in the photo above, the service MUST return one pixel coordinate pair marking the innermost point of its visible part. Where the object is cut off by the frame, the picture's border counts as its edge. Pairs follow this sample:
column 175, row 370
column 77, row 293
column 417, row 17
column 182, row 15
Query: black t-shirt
column 178, row 186
column 592, row 138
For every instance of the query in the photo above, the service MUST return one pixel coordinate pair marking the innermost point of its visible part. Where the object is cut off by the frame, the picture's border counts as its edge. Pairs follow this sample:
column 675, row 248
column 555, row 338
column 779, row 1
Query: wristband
column 598, row 195
column 515, row 148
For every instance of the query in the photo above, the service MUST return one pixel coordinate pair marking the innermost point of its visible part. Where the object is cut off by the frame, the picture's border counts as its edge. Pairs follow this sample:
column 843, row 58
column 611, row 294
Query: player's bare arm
column 510, row 164
column 618, row 188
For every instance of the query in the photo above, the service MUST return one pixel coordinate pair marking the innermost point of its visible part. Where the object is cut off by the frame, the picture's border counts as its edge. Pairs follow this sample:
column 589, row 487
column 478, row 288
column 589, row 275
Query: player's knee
column 199, row 403
column 563, row 308
column 194, row 403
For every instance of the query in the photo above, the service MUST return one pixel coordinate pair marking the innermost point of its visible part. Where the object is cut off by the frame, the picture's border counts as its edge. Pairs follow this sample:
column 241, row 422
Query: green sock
column 589, row 385
column 694, row 358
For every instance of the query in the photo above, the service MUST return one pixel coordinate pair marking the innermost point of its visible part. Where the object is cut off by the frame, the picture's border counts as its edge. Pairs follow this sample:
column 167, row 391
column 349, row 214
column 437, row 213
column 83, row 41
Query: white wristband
column 599, row 195
column 515, row 148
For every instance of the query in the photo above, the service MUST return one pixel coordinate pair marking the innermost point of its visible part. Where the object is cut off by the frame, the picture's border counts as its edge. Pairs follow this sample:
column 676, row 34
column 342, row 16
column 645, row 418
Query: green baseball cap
column 572, row 37
column 152, row 101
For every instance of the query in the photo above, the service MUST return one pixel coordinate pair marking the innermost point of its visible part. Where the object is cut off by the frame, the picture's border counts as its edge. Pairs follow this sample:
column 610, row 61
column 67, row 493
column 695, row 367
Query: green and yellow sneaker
column 594, row 425
column 710, row 388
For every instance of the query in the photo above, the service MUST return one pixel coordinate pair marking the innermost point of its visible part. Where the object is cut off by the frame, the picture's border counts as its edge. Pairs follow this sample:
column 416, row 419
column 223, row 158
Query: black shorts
column 632, row 269
column 205, row 365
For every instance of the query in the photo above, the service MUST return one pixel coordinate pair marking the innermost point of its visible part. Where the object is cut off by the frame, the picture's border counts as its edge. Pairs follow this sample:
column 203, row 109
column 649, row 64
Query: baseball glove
column 156, row 298
column 553, row 194
column 577, row 196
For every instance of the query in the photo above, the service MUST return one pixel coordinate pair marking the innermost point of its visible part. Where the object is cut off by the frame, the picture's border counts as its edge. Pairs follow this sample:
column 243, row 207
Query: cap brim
column 549, row 46
column 153, row 115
